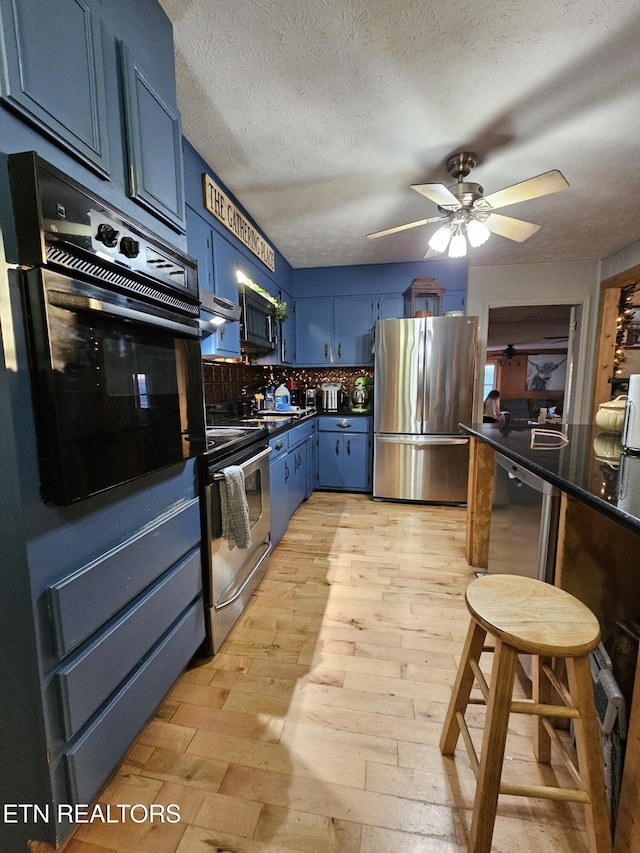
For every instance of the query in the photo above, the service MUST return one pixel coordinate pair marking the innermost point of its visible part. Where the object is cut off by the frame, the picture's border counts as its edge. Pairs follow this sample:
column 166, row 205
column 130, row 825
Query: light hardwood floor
column 316, row 727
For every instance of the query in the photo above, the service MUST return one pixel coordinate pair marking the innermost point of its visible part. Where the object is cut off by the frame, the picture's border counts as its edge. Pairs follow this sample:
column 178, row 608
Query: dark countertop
column 591, row 468
column 282, row 424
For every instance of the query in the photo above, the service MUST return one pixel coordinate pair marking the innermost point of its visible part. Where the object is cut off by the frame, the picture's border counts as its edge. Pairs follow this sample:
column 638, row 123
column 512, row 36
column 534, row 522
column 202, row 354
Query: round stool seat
column 533, row 616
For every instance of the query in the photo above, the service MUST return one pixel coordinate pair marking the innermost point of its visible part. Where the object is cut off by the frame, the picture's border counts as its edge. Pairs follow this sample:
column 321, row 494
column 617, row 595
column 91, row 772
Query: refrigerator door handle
column 419, row 441
column 425, row 380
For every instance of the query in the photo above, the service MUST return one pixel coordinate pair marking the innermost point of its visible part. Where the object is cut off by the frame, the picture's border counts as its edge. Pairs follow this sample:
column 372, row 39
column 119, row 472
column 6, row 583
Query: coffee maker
column 310, row 395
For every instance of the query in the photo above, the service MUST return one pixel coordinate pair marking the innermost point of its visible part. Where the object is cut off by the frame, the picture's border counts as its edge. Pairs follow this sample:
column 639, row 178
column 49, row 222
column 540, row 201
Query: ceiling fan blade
column 432, row 254
column 439, row 194
column 546, row 184
column 397, row 228
column 513, row 229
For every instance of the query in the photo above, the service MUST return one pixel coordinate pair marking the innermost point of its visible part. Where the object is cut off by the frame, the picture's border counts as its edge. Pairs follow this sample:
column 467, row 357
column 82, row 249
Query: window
column 489, row 378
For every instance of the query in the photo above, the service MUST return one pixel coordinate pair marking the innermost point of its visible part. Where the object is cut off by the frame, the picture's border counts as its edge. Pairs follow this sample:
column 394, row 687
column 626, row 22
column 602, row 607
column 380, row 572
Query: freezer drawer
column 428, row 468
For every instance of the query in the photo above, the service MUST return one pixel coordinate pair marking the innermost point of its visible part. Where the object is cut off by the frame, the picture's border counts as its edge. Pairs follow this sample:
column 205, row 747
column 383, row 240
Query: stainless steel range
column 231, row 573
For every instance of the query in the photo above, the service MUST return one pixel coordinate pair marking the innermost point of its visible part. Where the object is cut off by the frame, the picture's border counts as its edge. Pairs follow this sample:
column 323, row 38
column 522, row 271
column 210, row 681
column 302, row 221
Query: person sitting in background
column 491, row 407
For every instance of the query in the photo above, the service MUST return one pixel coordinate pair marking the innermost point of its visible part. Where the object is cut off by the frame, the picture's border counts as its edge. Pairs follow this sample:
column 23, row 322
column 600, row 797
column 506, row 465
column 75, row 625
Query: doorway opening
column 530, row 353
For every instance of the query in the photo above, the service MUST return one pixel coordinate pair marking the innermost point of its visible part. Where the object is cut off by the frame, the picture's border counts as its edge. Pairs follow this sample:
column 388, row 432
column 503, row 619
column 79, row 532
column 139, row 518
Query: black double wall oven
column 112, row 322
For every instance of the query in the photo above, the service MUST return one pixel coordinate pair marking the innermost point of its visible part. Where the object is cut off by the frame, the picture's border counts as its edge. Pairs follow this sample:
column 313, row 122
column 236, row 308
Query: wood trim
column 622, row 279
column 606, row 340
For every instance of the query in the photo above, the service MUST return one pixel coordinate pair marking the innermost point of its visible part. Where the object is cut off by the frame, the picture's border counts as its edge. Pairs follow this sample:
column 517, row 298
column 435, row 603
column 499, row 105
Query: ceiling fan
column 469, row 215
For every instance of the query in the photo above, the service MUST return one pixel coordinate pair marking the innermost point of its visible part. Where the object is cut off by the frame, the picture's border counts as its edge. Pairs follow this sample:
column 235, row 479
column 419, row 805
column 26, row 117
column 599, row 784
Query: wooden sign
column 225, row 211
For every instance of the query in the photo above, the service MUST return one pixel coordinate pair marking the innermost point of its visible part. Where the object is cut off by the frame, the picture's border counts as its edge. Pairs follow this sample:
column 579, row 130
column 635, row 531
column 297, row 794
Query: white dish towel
column 234, row 507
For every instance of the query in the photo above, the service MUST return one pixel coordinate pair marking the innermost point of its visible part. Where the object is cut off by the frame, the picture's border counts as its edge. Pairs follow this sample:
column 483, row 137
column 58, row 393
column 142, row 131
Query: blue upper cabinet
column 334, row 331
column 225, row 267
column 154, row 145
column 287, row 331
column 217, row 261
column 52, row 74
column 390, row 306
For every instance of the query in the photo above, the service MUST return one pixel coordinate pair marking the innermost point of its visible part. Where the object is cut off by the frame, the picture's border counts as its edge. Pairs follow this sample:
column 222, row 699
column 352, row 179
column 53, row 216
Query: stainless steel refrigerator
column 423, row 388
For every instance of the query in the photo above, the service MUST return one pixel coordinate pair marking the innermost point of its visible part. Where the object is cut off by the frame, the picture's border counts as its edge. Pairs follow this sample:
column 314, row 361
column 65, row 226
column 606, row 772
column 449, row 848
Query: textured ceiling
column 319, row 114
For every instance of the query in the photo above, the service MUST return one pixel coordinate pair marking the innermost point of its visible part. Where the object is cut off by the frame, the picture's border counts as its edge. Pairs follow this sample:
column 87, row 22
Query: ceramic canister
column 631, row 428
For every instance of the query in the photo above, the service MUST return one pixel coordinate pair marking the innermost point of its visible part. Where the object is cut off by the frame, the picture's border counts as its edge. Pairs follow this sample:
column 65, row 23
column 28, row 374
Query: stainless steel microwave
column 257, row 321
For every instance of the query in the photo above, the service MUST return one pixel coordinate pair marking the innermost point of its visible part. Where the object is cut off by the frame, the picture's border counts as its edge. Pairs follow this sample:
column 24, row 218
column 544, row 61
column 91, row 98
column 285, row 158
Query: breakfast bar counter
column 598, row 542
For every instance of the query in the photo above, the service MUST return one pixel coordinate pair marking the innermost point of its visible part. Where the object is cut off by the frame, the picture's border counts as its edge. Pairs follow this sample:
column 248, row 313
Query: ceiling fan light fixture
column 477, row 233
column 458, row 244
column 440, row 238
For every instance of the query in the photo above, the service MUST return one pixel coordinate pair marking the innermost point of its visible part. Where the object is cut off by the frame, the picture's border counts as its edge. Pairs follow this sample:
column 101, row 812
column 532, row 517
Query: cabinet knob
column 348, row 447
column 337, row 446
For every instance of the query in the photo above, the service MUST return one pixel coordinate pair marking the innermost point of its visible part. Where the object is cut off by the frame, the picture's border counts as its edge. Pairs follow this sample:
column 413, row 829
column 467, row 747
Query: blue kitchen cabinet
column 278, row 487
column 200, row 247
column 287, row 331
column 121, row 627
column 344, row 450
column 314, row 331
column 390, row 306
column 312, row 480
column 225, row 268
column 298, row 458
column 66, row 72
column 289, row 476
column 334, row 331
column 216, row 273
column 154, row 145
column 53, row 74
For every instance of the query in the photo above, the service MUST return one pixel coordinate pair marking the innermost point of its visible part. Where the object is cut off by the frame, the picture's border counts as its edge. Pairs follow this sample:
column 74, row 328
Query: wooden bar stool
column 526, row 615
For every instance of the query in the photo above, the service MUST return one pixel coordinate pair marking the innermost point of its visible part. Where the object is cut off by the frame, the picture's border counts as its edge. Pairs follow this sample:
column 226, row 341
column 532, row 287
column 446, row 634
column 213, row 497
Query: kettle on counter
column 332, row 396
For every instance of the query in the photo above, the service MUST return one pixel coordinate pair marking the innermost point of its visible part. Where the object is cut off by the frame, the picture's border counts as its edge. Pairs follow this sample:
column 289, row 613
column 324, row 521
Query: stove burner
column 225, row 436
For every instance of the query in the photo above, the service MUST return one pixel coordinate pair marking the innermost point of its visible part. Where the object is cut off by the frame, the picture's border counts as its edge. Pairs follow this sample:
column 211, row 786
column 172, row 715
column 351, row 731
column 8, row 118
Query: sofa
column 526, row 408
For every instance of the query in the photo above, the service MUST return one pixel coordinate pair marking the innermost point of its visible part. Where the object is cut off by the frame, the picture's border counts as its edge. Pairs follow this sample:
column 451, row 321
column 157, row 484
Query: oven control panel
column 54, row 212
column 111, row 238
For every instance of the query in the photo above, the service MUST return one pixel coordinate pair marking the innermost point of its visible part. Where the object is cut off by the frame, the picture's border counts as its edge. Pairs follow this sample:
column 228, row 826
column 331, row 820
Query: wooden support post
column 479, row 502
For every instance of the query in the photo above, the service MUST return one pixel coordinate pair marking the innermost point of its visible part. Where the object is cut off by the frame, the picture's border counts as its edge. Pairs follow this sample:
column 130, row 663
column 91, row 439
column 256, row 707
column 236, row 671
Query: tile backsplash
column 224, row 383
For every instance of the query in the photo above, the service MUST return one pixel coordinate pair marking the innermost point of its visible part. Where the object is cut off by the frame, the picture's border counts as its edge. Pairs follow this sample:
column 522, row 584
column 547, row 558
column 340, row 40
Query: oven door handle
column 76, row 302
column 236, row 595
column 256, row 458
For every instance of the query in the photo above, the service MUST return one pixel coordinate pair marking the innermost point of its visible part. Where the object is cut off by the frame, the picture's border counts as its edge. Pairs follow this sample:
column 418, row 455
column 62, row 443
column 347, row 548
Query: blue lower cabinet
column 278, row 479
column 125, row 626
column 344, row 451
column 91, row 759
column 289, row 476
column 298, row 482
column 312, row 469
column 89, row 678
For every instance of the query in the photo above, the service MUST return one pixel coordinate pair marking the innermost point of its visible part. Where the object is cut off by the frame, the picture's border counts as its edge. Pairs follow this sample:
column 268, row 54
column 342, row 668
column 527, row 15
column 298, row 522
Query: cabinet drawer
column 96, row 753
column 85, row 600
column 279, row 445
column 89, row 680
column 344, row 422
column 298, row 434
